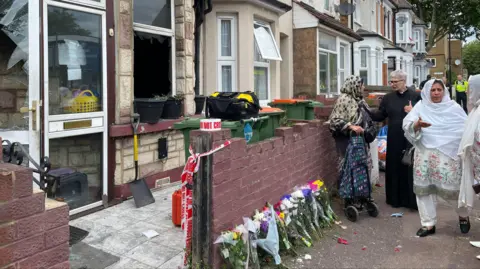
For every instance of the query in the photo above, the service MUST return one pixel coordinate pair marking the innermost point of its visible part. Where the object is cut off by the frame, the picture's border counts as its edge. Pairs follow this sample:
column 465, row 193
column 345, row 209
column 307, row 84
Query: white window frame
column 434, row 61
column 402, row 28
column 356, row 17
column 416, row 39
column 345, row 62
column 364, row 68
column 389, row 25
column 227, row 60
column 379, row 17
column 144, row 28
column 326, row 5
column 378, row 66
column 88, row 3
column 266, row 25
column 266, row 63
column 328, row 53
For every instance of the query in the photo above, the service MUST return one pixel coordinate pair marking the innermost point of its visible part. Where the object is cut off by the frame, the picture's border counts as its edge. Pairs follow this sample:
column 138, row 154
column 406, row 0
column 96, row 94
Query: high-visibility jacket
column 461, row 86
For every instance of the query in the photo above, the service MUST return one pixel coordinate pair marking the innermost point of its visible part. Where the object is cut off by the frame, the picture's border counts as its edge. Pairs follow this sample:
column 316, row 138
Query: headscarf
column 447, row 121
column 467, row 195
column 346, row 106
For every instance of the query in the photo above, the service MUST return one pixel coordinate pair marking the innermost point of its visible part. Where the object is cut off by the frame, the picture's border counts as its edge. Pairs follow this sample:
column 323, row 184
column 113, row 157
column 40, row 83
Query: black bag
column 407, row 158
column 369, row 127
column 232, row 105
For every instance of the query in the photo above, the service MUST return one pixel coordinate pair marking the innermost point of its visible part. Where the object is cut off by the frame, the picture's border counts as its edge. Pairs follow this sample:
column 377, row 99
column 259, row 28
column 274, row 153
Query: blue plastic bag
column 382, row 134
column 248, row 132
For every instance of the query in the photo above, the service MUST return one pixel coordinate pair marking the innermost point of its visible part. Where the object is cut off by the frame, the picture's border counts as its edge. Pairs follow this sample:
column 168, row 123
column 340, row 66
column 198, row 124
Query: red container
column 177, row 208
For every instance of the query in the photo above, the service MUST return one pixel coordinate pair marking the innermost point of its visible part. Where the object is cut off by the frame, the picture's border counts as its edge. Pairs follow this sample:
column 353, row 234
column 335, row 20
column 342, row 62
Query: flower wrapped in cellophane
column 312, row 206
column 233, row 248
column 321, row 194
column 285, row 244
column 268, row 236
column 251, row 227
column 297, row 219
column 305, row 215
column 294, row 236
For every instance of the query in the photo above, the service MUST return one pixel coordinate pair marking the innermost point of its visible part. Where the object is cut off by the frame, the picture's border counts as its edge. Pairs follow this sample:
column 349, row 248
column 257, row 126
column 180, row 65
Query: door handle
column 33, row 109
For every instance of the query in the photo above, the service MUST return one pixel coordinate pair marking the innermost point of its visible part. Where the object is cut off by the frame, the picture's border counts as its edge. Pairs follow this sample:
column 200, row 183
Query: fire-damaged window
column 154, row 48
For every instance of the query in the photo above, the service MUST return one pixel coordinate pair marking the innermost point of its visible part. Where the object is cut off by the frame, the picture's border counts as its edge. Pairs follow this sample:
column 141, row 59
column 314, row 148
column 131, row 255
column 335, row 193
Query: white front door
column 75, row 100
column 20, row 74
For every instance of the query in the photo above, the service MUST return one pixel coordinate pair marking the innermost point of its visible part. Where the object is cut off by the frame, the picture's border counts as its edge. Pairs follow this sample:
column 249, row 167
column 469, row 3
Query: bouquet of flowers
column 252, row 244
column 233, row 248
column 297, row 218
column 305, row 215
column 322, row 195
column 287, row 208
column 285, row 244
column 269, row 239
column 312, row 205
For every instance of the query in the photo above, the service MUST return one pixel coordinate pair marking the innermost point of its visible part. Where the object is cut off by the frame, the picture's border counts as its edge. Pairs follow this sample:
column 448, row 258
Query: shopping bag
column 382, row 143
column 375, row 173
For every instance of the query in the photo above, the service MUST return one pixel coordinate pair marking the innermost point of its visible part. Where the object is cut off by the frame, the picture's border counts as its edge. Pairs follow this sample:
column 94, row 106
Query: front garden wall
column 246, row 176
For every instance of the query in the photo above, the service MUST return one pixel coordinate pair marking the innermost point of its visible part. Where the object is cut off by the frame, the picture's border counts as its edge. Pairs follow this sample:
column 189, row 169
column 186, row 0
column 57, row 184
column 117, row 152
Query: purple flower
column 307, row 192
column 264, row 226
column 288, row 196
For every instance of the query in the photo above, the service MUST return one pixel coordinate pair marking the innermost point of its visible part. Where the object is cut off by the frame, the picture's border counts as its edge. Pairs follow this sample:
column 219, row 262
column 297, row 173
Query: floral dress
column 433, row 171
column 475, row 153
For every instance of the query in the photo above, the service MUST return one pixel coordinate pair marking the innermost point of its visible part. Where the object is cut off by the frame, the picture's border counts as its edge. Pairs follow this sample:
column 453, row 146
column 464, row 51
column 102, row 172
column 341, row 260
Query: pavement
column 388, row 242
column 118, row 230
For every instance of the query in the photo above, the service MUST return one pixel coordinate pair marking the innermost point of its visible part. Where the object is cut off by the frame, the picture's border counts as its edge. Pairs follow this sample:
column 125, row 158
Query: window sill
column 123, row 130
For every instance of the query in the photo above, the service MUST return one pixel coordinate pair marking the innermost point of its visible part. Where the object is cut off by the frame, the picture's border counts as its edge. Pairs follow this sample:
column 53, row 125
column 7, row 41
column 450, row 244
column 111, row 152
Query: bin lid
column 290, row 101
column 188, row 123
column 316, row 104
column 271, row 111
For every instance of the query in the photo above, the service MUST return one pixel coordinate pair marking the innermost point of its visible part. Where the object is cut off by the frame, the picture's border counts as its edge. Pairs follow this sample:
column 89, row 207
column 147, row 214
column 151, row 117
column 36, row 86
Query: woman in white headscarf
column 435, row 128
column 470, row 148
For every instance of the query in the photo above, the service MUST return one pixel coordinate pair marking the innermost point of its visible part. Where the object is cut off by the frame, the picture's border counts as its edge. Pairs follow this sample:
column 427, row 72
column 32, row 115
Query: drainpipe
column 351, row 46
column 200, row 13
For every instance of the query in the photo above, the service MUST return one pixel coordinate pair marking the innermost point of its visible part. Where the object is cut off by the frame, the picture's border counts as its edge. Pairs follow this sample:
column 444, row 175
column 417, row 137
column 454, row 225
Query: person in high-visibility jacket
column 461, row 87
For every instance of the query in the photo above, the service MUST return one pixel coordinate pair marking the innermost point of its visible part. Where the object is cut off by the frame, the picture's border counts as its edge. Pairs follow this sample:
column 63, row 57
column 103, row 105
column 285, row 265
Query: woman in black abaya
column 394, row 107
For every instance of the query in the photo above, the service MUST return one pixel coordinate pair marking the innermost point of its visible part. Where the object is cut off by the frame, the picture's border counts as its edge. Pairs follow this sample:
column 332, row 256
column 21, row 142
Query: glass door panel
column 75, row 73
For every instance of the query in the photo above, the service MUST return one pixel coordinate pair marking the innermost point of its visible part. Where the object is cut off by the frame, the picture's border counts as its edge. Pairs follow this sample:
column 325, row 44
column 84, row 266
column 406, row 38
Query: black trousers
column 462, row 100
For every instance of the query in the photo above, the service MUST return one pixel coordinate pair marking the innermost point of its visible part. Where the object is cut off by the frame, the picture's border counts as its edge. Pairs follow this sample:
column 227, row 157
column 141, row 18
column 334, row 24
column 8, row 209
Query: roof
column 418, row 21
column 329, row 21
column 390, row 46
column 402, row 4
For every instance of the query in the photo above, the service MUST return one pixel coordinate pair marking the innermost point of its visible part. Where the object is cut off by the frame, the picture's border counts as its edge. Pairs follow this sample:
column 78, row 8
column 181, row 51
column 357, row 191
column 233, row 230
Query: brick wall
column 246, row 176
column 34, row 231
column 305, row 62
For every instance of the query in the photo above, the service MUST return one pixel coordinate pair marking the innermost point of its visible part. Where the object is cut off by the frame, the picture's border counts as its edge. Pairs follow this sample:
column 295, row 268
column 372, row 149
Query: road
column 388, row 242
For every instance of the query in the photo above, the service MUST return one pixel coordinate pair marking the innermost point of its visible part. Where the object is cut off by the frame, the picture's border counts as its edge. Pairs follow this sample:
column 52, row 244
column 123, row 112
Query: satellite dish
column 458, row 62
column 345, row 9
column 402, row 20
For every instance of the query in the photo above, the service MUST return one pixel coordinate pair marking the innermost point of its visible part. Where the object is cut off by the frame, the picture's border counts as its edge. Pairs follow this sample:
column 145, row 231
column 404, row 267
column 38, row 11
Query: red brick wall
column 245, row 177
column 34, row 231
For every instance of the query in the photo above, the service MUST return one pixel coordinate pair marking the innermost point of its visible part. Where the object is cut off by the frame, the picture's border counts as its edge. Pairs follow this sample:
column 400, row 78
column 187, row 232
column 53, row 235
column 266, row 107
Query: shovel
column 139, row 188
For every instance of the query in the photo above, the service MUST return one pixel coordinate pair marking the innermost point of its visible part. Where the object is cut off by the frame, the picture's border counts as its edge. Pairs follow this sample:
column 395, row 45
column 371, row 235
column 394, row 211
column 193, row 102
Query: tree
column 471, row 61
column 460, row 18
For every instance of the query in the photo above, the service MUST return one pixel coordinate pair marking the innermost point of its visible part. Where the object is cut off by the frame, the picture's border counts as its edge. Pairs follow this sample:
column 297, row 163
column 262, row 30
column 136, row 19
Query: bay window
column 226, row 59
column 265, row 50
column 364, row 65
column 342, row 66
column 327, row 64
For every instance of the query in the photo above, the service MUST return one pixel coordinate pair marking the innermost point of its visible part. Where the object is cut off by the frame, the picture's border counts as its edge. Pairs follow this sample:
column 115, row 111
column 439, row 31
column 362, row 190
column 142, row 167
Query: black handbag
column 232, row 105
column 369, row 127
column 407, row 158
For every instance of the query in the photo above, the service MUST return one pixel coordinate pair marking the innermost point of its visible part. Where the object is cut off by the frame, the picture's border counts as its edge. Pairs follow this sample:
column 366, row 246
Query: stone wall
column 244, row 177
column 34, row 231
column 149, row 165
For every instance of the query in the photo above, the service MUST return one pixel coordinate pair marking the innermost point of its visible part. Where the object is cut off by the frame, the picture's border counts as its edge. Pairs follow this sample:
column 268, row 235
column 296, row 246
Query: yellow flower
column 282, row 215
column 235, row 236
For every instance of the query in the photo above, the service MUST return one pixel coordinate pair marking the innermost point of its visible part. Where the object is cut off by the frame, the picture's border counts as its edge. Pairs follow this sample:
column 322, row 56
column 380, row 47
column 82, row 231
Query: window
column 326, row 5
column 265, row 49
column 389, row 25
column 417, row 74
column 391, row 66
column 356, row 14
column 226, row 59
column 378, row 73
column 401, row 33
column 266, row 42
column 153, row 43
column 364, row 65
column 379, row 18
column 327, row 64
column 416, row 39
column 342, row 65
column 433, row 62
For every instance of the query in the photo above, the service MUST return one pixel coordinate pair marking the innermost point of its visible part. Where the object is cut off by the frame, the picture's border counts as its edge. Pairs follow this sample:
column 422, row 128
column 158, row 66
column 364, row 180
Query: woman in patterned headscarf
column 347, row 113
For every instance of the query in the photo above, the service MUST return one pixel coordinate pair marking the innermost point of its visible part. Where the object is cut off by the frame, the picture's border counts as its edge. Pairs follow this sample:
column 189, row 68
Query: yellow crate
column 83, row 103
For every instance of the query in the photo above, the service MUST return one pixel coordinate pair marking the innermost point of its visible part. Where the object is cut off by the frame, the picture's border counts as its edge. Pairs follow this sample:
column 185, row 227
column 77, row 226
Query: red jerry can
column 177, row 208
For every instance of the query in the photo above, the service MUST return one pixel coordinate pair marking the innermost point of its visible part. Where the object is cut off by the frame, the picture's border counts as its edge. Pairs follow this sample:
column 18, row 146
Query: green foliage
column 471, row 59
column 461, row 18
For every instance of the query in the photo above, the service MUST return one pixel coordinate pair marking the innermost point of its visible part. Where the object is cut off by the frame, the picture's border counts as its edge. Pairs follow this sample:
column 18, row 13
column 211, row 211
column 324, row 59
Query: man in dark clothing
column 425, row 81
column 394, row 107
column 448, row 86
column 461, row 87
